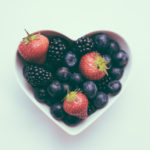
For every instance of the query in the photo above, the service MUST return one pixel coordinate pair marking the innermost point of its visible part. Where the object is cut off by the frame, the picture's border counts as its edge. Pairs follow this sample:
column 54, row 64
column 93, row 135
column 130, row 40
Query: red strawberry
column 93, row 66
column 33, row 48
column 76, row 104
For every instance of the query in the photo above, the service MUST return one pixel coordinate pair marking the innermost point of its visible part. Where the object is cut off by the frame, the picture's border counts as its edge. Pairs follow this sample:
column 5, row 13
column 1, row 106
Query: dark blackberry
column 57, row 50
column 84, row 45
column 37, row 76
column 49, row 67
column 51, row 101
column 71, row 120
column 103, row 83
column 91, row 109
column 41, row 94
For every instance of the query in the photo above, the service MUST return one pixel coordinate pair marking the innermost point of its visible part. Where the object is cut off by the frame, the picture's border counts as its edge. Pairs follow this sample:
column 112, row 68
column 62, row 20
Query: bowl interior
column 46, row 110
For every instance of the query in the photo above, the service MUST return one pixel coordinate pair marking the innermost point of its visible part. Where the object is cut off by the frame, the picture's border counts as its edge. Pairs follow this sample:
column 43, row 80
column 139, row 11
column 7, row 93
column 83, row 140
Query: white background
column 126, row 125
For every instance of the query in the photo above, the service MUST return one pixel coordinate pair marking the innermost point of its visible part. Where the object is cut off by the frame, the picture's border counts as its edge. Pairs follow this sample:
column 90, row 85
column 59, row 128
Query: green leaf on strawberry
column 101, row 64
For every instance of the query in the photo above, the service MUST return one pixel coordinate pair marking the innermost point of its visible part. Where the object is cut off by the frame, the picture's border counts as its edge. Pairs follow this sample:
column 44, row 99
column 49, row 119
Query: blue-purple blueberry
column 116, row 73
column 101, row 100
column 57, row 111
column 114, row 87
column 63, row 74
column 101, row 42
column 89, row 89
column 120, row 58
column 70, row 60
column 113, row 47
column 55, row 89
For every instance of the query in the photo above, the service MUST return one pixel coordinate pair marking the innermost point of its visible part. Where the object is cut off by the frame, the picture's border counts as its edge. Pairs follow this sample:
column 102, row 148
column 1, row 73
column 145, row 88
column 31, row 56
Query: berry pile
column 73, row 80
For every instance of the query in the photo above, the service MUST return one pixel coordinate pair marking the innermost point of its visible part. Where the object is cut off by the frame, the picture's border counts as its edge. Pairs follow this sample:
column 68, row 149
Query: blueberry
column 71, row 120
column 66, row 87
column 116, row 73
column 57, row 111
column 101, row 100
column 120, row 59
column 113, row 47
column 76, row 79
column 70, row 59
column 55, row 89
column 101, row 41
column 63, row 74
column 108, row 58
column 114, row 87
column 90, row 89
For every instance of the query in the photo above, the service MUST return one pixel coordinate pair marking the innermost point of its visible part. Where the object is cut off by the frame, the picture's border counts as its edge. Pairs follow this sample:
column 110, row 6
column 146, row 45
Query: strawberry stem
column 29, row 38
column 27, row 32
column 71, row 95
column 68, row 91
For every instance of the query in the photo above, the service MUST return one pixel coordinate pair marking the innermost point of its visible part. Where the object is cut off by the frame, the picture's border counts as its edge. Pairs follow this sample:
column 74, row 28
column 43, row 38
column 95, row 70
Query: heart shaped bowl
column 27, row 89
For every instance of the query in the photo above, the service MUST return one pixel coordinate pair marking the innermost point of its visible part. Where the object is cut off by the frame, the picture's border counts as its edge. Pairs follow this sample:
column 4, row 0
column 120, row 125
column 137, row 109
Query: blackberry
column 57, row 50
column 49, row 67
column 103, row 83
column 36, row 76
column 71, row 120
column 41, row 93
column 51, row 101
column 84, row 45
column 91, row 109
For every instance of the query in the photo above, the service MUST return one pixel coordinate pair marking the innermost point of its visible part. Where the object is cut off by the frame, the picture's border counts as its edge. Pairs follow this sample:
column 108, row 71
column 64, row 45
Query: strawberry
column 93, row 66
column 34, row 48
column 76, row 104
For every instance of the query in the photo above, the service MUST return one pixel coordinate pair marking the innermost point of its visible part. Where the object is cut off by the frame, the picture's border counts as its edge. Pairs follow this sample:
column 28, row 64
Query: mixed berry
column 75, row 79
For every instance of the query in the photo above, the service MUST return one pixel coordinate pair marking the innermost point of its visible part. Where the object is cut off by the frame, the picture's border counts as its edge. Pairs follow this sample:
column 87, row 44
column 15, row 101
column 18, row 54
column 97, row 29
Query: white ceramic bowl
column 45, row 109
